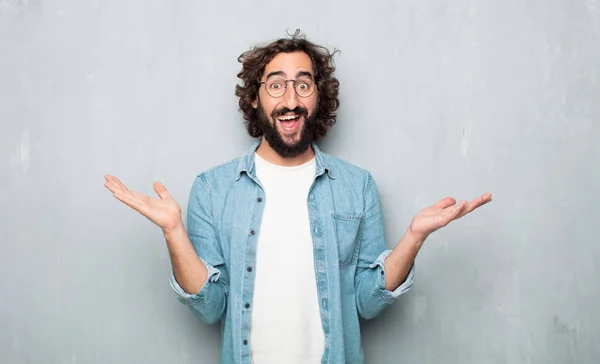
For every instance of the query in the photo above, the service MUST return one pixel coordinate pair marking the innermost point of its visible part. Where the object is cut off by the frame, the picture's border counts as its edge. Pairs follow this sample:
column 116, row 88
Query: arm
column 399, row 262
column 200, row 277
column 195, row 274
column 381, row 279
column 372, row 294
column 188, row 268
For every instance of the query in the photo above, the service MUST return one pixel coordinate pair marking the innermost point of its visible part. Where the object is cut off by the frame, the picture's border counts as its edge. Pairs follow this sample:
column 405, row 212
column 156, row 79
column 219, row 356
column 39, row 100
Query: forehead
column 289, row 64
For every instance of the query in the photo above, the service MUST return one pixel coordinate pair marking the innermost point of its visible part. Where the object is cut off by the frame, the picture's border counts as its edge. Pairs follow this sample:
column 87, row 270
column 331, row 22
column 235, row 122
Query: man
column 285, row 245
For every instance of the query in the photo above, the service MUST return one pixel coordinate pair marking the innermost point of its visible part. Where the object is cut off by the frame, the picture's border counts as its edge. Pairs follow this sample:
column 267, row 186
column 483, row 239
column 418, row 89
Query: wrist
column 175, row 230
column 414, row 239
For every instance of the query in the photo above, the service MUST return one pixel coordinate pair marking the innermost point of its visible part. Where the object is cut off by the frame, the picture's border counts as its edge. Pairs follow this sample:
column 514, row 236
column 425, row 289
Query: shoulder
column 344, row 168
column 216, row 176
column 223, row 170
column 348, row 173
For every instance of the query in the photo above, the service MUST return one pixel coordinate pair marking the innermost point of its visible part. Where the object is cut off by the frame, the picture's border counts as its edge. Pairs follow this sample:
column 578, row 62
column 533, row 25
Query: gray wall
column 438, row 98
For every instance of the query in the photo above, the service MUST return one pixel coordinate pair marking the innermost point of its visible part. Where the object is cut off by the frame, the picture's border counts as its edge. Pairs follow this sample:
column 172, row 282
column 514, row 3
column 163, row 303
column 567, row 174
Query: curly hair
column 254, row 62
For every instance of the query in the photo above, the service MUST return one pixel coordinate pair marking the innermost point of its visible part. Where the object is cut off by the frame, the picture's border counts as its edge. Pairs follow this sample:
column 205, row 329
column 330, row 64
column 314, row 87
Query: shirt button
column 259, row 199
column 249, row 269
column 245, row 342
column 252, row 232
column 247, row 305
column 382, row 272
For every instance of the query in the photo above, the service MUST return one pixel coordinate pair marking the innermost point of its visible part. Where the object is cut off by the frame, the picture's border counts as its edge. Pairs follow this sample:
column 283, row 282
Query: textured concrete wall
column 438, row 98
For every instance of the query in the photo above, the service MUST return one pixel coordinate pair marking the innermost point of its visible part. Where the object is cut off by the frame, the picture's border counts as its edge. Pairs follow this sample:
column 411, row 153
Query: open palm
column 442, row 213
column 164, row 211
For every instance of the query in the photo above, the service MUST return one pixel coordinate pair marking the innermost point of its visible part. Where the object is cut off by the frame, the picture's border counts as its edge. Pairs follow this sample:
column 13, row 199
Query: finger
column 135, row 201
column 478, row 202
column 161, row 190
column 483, row 199
column 459, row 209
column 127, row 199
column 487, row 197
column 456, row 211
column 109, row 178
column 113, row 187
column 452, row 213
column 445, row 202
column 115, row 181
column 118, row 182
column 125, row 193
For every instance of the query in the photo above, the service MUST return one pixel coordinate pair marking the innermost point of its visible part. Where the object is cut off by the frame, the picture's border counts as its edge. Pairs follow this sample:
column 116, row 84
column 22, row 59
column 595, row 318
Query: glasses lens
column 305, row 86
column 276, row 86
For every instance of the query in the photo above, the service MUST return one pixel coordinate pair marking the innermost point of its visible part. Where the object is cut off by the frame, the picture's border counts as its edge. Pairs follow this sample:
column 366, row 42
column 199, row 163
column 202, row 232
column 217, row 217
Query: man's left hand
column 442, row 213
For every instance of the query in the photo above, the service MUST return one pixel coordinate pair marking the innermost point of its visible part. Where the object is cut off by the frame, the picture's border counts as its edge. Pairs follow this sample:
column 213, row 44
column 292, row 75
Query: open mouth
column 289, row 122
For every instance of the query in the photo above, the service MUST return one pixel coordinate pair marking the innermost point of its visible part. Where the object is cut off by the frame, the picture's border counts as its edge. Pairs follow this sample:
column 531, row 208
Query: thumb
column 445, row 202
column 160, row 190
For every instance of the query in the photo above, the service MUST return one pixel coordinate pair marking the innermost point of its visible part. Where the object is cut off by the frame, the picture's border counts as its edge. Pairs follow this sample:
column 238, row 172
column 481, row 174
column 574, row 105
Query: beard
column 273, row 136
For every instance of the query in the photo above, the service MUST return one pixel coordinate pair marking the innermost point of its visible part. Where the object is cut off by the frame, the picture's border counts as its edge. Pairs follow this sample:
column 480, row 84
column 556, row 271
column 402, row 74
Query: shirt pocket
column 347, row 229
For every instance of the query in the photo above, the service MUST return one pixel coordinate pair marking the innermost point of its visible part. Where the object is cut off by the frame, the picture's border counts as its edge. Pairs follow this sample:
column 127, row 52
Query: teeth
column 289, row 117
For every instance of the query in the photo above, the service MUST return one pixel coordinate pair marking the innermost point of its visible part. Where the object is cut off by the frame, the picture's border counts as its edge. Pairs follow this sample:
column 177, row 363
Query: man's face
column 287, row 121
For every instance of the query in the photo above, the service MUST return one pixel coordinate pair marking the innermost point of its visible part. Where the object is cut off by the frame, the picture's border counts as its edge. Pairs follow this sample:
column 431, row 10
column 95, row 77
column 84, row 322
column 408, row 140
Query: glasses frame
column 286, row 88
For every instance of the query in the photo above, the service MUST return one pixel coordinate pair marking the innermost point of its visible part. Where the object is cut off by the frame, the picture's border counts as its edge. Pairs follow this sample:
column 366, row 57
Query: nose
column 290, row 98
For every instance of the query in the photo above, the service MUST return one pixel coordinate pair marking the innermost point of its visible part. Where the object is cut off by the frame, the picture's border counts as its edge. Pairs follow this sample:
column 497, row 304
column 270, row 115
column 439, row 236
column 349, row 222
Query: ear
column 255, row 103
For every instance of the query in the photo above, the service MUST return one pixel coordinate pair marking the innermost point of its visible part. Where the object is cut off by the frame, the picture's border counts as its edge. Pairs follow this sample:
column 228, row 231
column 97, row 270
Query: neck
column 270, row 155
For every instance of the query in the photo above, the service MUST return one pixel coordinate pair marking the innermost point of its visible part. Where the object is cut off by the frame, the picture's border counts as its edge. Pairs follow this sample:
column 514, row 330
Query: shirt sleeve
column 200, row 296
column 391, row 296
column 371, row 295
column 210, row 302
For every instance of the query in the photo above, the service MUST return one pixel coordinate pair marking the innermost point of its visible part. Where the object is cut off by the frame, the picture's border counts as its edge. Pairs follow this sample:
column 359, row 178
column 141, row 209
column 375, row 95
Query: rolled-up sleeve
column 390, row 296
column 210, row 302
column 200, row 297
column 370, row 278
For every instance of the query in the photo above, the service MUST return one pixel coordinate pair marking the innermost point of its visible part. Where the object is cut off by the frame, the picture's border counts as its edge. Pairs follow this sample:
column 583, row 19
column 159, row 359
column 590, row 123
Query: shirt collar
column 246, row 163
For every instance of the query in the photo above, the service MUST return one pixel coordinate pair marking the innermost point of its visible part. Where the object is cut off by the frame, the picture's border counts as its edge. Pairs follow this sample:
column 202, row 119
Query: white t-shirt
column 286, row 324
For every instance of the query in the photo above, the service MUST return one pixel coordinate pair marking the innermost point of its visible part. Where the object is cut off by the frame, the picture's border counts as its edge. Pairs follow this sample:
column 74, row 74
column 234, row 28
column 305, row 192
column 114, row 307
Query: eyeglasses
column 276, row 86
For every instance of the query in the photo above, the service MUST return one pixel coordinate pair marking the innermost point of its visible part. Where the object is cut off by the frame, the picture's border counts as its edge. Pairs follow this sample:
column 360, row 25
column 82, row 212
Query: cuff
column 391, row 296
column 200, row 296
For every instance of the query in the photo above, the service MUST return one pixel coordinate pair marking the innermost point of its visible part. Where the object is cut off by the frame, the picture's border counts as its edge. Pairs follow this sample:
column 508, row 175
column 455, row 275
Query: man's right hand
column 164, row 211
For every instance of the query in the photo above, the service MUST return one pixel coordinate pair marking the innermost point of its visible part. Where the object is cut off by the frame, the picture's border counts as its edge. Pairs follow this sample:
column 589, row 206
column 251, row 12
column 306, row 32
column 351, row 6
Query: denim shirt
column 224, row 215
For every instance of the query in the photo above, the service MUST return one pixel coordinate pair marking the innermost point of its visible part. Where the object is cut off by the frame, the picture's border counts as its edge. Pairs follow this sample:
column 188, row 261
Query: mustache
column 298, row 110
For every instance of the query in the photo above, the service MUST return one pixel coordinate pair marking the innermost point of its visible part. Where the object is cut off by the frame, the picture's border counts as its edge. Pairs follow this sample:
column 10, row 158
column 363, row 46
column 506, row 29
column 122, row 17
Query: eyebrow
column 304, row 73
column 282, row 74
